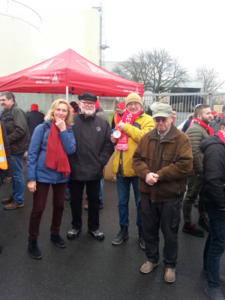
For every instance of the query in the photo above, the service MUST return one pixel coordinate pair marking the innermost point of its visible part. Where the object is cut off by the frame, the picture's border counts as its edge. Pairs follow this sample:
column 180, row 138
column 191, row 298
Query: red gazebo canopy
column 69, row 69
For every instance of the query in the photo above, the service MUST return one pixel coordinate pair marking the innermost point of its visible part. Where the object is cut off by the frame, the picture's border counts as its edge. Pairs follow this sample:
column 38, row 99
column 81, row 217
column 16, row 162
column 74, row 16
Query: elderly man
column 133, row 124
column 94, row 149
column 15, row 122
column 162, row 161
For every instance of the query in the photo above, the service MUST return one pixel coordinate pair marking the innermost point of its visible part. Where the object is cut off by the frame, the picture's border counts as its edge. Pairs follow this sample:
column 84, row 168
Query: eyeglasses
column 88, row 103
column 158, row 119
column 133, row 104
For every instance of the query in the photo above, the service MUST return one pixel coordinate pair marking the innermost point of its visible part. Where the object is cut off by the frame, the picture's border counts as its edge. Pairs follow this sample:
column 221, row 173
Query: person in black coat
column 34, row 118
column 5, row 173
column 213, row 148
column 94, row 148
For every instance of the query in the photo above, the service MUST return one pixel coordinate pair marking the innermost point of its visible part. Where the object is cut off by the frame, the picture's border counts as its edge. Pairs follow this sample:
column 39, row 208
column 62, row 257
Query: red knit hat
column 97, row 104
column 34, row 107
column 214, row 113
column 121, row 105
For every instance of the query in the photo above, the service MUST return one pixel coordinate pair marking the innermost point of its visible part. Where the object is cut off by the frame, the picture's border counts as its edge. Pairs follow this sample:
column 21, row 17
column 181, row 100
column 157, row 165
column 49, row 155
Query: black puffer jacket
column 93, row 147
column 15, row 123
column 214, row 172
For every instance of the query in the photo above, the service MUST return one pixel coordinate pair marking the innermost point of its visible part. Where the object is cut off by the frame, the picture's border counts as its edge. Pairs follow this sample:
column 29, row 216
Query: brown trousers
column 39, row 202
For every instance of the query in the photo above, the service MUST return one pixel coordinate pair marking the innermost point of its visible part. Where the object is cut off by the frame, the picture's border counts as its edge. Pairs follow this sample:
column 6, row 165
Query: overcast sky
column 191, row 30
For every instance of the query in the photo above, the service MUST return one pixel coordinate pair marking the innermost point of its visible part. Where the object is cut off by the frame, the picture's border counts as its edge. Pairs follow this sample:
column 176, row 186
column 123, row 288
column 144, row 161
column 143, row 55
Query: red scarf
column 221, row 136
column 209, row 129
column 221, row 116
column 56, row 157
column 129, row 119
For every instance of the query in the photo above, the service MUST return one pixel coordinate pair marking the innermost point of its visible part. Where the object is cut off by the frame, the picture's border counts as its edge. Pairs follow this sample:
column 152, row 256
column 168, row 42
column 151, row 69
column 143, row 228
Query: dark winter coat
column 197, row 134
column 34, row 118
column 15, row 123
column 214, row 172
column 9, row 172
column 94, row 147
column 36, row 169
column 215, row 124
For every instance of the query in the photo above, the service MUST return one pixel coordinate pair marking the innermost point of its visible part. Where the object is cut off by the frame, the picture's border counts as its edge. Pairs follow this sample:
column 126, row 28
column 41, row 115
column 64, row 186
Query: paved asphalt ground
column 89, row 269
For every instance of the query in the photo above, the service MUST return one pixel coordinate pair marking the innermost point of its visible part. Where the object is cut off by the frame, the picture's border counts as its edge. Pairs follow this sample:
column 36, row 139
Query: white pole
column 67, row 94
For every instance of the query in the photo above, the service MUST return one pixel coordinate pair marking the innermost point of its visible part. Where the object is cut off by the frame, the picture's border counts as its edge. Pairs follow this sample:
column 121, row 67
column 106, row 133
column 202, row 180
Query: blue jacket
column 36, row 169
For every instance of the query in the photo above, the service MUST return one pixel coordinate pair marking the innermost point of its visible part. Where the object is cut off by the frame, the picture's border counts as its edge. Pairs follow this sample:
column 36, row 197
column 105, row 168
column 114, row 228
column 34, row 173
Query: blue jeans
column 214, row 246
column 18, row 180
column 123, row 189
column 101, row 190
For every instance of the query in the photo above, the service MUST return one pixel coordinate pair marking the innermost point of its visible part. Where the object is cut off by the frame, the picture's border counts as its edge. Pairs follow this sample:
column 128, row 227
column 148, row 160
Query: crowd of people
column 168, row 169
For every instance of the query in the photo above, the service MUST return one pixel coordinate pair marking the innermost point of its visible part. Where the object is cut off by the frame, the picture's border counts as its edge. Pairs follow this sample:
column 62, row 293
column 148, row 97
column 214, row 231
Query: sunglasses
column 158, row 119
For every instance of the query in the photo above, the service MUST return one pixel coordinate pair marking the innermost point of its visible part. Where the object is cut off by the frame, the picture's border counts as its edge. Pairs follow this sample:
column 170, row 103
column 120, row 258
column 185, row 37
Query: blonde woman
column 47, row 163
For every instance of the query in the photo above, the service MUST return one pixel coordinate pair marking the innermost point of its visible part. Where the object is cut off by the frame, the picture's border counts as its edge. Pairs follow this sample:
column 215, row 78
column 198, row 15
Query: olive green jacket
column 197, row 134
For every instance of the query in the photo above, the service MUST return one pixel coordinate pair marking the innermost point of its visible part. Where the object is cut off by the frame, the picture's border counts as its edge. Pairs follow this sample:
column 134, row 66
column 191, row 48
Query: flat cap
column 162, row 110
column 87, row 96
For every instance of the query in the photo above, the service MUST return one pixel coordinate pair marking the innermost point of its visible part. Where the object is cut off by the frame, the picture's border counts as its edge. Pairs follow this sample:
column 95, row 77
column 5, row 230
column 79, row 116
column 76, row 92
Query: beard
column 205, row 121
column 87, row 112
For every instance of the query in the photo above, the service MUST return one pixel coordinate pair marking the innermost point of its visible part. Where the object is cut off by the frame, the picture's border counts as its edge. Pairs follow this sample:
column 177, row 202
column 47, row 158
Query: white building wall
column 91, row 35
column 19, row 45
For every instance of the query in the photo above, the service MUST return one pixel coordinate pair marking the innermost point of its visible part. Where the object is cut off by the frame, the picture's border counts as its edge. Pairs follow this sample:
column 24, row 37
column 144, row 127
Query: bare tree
column 209, row 77
column 156, row 69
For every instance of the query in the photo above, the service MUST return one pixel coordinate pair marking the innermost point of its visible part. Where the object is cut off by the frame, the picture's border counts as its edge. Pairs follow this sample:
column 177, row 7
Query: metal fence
column 185, row 102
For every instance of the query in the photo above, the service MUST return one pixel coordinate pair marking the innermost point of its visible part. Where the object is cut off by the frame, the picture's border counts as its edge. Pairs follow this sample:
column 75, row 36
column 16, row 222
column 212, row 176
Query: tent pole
column 67, row 96
column 114, row 105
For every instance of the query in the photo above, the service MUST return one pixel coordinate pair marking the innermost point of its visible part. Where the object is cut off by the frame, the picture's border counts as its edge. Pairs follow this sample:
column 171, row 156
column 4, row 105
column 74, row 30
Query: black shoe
column 67, row 197
column 72, row 233
column 221, row 277
column 33, row 249
column 121, row 236
column 56, row 238
column 214, row 293
column 141, row 240
column 97, row 234
column 204, row 222
column 192, row 229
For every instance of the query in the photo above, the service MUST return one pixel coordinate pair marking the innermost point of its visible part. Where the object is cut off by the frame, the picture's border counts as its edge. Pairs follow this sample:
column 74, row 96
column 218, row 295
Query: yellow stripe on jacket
column 3, row 160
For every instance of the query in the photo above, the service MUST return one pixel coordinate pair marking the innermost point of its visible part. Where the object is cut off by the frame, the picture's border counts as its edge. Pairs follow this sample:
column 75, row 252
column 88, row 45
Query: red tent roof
column 69, row 69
